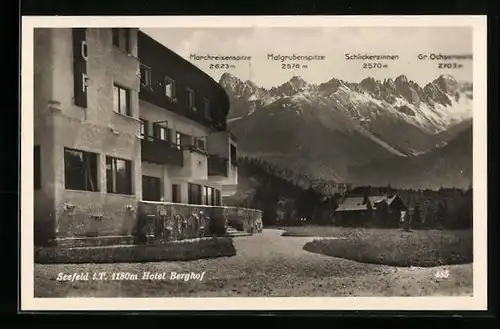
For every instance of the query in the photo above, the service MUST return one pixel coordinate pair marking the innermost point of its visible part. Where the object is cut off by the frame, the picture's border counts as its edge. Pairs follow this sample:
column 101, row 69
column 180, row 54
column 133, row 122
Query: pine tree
column 441, row 213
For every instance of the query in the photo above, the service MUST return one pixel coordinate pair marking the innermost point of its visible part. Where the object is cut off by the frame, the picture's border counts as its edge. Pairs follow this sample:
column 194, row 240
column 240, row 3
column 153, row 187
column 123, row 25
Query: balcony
column 195, row 164
column 164, row 63
column 217, row 166
column 154, row 150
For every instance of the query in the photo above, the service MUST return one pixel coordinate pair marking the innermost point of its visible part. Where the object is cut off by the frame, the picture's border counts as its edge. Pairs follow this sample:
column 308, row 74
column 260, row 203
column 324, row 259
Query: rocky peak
column 297, row 82
column 229, row 82
column 371, row 85
column 251, row 84
column 446, row 83
column 292, row 86
column 237, row 87
column 331, row 86
column 402, row 79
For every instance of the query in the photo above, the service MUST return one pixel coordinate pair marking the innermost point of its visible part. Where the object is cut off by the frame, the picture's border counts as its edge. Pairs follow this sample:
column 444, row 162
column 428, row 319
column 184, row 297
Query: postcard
column 254, row 163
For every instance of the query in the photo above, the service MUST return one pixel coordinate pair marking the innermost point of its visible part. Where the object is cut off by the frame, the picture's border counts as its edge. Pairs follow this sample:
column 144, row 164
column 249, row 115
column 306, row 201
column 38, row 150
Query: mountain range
column 355, row 131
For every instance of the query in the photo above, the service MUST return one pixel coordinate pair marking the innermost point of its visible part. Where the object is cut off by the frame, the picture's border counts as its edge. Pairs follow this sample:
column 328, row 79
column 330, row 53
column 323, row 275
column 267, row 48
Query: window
column 144, row 128
column 190, row 98
column 209, row 195
column 207, row 108
column 176, row 193
column 162, row 132
column 233, row 154
column 218, row 200
column 200, row 143
column 37, row 175
column 145, row 76
column 194, row 193
column 178, row 138
column 121, row 38
column 80, row 170
column 212, row 197
column 151, row 188
column 169, row 88
column 182, row 140
column 121, row 100
column 118, row 176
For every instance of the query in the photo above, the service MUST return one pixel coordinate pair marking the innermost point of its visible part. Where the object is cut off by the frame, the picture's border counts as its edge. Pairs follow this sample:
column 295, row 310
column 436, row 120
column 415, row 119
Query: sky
column 332, row 42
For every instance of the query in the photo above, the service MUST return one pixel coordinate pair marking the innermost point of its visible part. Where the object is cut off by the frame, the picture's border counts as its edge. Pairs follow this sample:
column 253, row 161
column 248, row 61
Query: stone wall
column 243, row 219
column 173, row 221
column 91, row 214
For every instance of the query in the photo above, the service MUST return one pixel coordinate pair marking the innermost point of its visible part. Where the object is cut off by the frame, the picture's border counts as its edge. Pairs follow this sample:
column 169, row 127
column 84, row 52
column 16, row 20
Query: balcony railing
column 194, row 148
column 158, row 151
column 217, row 166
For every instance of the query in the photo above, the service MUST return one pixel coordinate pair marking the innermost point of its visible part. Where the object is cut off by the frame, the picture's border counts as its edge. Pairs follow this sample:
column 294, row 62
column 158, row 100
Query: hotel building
column 120, row 118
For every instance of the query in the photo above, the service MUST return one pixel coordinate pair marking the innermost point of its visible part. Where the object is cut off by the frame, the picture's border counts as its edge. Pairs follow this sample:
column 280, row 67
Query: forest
column 288, row 198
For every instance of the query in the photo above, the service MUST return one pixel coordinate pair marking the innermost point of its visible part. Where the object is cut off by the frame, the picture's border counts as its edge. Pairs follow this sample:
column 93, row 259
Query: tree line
column 289, row 198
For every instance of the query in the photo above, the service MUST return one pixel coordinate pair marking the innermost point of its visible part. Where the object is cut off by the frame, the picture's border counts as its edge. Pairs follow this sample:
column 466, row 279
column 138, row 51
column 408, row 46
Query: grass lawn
column 265, row 264
column 318, row 231
column 395, row 247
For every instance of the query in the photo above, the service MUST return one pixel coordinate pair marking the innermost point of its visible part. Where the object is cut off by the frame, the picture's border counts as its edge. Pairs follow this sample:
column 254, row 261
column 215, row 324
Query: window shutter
column 169, row 135
column 156, row 133
column 145, row 124
column 80, row 67
column 126, row 32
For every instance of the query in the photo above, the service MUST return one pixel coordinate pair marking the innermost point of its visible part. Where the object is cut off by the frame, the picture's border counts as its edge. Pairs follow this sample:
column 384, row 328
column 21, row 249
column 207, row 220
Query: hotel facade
column 119, row 119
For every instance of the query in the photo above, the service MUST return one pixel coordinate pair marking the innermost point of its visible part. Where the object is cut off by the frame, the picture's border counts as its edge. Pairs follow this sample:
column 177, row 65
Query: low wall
column 244, row 219
column 87, row 214
column 174, row 221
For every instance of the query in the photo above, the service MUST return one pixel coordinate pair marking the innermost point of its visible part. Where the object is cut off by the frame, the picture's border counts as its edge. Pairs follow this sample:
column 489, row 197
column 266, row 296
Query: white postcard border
column 477, row 302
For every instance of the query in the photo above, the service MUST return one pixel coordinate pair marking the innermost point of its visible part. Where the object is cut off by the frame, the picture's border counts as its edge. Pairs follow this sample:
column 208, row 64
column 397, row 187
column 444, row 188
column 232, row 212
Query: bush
column 317, row 231
column 183, row 250
column 400, row 248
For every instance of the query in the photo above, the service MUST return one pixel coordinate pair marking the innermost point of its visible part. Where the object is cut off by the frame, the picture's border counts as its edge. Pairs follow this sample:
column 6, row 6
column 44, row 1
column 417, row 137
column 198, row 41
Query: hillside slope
column 326, row 129
column 447, row 166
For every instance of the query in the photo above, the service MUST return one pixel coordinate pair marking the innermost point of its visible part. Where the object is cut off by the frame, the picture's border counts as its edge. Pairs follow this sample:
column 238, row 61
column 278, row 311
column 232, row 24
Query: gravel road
column 266, row 264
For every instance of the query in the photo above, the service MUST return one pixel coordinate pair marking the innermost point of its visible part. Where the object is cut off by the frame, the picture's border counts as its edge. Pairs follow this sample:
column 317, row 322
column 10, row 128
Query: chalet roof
column 352, row 204
column 392, row 198
column 356, row 203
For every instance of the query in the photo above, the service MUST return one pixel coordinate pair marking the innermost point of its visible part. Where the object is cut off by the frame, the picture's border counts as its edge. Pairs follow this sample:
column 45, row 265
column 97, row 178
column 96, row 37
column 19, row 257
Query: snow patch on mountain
column 370, row 106
column 253, row 98
column 234, row 119
column 383, row 144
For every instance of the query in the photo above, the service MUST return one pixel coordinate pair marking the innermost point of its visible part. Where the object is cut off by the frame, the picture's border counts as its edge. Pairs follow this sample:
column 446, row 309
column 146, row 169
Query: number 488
column 442, row 274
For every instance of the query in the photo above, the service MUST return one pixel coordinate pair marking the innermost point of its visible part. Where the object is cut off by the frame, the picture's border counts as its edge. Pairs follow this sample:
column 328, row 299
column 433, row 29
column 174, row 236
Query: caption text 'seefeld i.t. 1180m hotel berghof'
column 128, row 137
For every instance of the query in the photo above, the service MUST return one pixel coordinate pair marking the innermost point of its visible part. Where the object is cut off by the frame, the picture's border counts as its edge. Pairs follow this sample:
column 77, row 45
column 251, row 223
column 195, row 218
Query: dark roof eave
column 215, row 83
column 223, row 98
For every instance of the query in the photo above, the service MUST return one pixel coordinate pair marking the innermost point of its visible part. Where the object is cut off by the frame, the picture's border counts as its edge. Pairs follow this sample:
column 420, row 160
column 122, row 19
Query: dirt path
column 266, row 264
column 271, row 243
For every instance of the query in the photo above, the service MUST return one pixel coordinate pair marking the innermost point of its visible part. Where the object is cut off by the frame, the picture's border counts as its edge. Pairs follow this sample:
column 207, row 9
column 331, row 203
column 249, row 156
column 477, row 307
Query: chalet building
column 119, row 118
column 365, row 210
